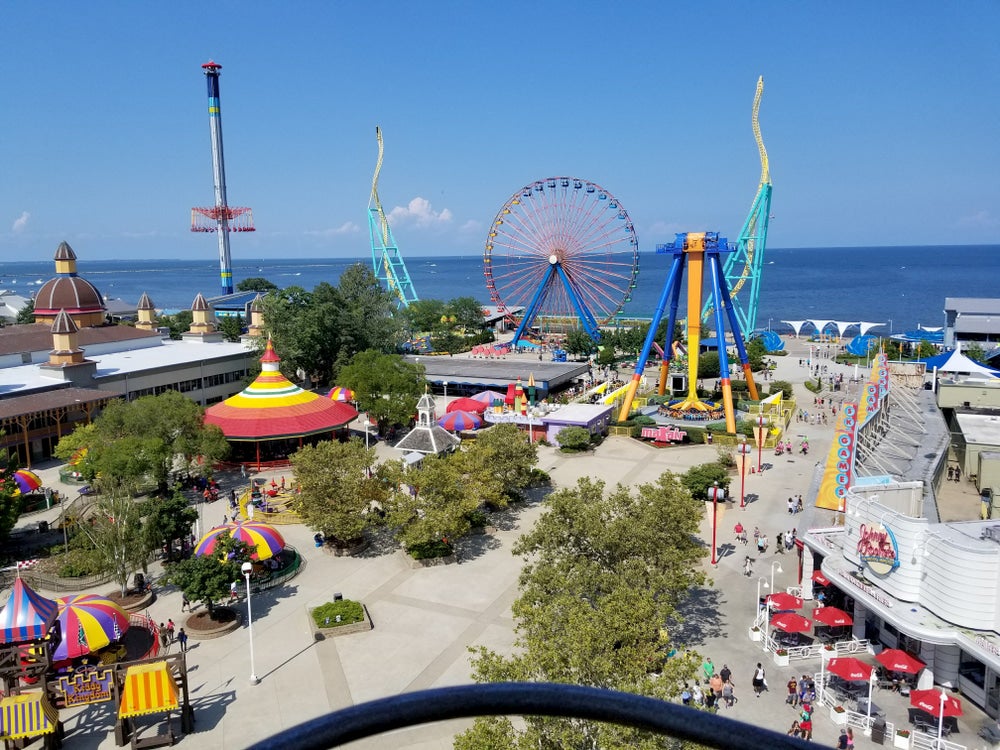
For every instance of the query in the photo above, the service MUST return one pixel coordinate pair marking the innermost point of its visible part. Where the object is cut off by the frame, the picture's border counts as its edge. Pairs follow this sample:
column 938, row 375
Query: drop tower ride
column 221, row 218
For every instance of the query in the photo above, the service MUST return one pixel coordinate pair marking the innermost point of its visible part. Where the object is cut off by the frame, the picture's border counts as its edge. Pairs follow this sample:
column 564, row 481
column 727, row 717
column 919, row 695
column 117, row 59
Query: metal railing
column 280, row 576
column 925, row 741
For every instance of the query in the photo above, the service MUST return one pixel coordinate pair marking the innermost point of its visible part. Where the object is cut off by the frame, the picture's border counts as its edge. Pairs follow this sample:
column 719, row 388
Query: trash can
column 43, row 527
column 878, row 731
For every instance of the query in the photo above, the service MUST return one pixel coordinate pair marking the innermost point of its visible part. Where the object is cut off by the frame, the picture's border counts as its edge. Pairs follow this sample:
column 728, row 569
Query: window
column 972, row 670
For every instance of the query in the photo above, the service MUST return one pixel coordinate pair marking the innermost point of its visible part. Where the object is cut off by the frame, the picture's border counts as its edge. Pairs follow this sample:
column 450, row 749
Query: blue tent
column 954, row 361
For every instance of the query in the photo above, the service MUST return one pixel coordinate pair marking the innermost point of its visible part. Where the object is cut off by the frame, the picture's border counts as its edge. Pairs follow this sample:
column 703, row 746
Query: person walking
column 170, row 630
column 793, row 693
column 182, row 639
column 164, row 636
column 185, row 604
column 748, row 567
column 759, row 680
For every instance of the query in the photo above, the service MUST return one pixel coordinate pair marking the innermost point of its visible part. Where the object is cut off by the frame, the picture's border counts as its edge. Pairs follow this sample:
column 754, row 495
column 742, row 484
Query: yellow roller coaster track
column 383, row 222
column 765, row 177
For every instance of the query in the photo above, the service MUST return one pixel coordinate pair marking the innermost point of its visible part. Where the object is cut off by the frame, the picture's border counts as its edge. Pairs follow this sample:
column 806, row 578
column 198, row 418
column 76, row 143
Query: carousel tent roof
column 27, row 616
column 273, row 407
column 955, row 361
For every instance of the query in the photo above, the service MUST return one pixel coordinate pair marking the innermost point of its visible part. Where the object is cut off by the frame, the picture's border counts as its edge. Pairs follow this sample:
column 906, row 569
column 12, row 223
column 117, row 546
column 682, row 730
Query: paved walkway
column 426, row 619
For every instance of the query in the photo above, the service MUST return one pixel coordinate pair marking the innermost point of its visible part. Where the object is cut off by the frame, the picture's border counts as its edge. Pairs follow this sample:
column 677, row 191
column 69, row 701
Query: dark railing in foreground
column 528, row 699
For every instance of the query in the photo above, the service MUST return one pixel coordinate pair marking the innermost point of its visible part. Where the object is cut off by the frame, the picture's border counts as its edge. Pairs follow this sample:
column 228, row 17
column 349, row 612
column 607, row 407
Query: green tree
column 143, row 440
column 385, row 385
column 11, row 500
column 468, row 313
column 974, row 352
column 708, row 365
column 925, row 349
column 424, row 314
column 502, row 458
column 367, row 316
column 438, row 504
column 604, row 575
column 256, row 284
column 699, row 478
column 26, row 314
column 606, row 355
column 231, row 327
column 340, row 486
column 206, row 578
column 784, row 386
column 579, row 343
column 573, row 438
column 114, row 529
column 168, row 519
column 756, row 351
column 179, row 323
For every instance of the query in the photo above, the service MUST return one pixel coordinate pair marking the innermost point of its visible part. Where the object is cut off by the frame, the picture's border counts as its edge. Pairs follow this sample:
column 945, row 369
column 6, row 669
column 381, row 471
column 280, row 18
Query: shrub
column 429, row 550
column 477, row 518
column 726, row 456
column 699, row 478
column 78, row 563
column 573, row 439
column 325, row 615
column 539, row 477
column 739, row 386
column 814, row 385
column 708, row 365
column 781, row 385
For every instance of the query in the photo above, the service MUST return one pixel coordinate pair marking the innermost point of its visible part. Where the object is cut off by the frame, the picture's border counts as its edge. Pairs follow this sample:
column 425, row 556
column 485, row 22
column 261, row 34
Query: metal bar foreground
column 527, row 699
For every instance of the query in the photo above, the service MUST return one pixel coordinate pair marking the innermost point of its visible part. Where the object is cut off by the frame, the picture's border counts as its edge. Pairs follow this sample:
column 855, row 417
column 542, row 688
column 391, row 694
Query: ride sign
column 87, row 686
column 878, row 549
column 663, row 434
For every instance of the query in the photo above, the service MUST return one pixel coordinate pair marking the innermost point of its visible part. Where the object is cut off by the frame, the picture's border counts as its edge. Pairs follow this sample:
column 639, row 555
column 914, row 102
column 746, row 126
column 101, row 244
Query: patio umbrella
column 832, row 616
column 790, row 622
column 471, row 405
column 339, row 393
column 265, row 538
column 460, row 420
column 850, row 669
column 819, row 578
column 936, row 702
column 27, row 481
column 89, row 623
column 896, row 660
column 488, row 397
column 781, row 600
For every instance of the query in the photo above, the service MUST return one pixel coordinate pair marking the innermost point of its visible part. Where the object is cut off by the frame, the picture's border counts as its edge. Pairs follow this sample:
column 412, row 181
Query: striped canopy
column 488, row 397
column 340, row 393
column 148, row 689
column 26, row 715
column 89, row 622
column 265, row 538
column 457, row 421
column 27, row 481
column 27, row 616
column 273, row 407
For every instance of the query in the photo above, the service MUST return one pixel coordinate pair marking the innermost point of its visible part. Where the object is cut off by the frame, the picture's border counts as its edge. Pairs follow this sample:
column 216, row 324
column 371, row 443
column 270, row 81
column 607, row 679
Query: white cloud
column 348, row 227
column 981, row 219
column 472, row 226
column 20, row 222
column 420, row 212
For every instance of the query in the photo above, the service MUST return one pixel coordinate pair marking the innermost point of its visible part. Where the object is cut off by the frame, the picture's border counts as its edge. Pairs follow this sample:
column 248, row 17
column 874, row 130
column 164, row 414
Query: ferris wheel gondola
column 561, row 250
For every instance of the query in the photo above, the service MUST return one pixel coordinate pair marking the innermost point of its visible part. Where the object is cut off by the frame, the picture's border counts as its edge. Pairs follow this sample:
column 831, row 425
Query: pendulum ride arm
column 672, row 285
column 734, row 326
column 387, row 262
column 720, row 336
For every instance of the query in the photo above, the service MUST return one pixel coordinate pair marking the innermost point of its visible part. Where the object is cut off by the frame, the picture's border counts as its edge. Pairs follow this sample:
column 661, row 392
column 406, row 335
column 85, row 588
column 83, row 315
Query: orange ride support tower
column 696, row 250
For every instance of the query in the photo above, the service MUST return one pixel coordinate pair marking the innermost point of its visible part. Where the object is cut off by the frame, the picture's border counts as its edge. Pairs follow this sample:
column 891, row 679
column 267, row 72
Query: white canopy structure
column 796, row 325
column 843, row 325
column 864, row 326
column 820, row 325
column 956, row 362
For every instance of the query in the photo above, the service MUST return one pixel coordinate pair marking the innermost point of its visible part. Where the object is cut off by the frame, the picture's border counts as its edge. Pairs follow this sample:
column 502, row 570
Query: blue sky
column 880, row 120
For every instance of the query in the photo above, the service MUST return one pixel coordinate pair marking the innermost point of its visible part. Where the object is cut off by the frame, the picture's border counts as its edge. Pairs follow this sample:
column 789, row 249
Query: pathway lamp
column 247, row 569
column 716, row 494
column 743, row 455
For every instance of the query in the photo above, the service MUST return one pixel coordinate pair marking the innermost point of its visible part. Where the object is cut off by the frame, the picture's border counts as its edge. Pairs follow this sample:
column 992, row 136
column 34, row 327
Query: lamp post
column 767, row 611
column 760, row 580
column 871, row 684
column 769, row 323
column 367, row 427
column 772, row 572
column 890, row 326
column 760, row 434
column 247, row 568
column 715, row 494
column 445, row 384
column 743, row 451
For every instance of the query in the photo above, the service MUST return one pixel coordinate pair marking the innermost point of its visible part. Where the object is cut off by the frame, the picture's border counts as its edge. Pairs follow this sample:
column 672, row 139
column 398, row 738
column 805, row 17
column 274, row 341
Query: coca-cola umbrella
column 471, row 405
column 832, row 616
column 936, row 703
column 850, row 669
column 790, row 622
column 819, row 578
column 781, row 600
column 897, row 660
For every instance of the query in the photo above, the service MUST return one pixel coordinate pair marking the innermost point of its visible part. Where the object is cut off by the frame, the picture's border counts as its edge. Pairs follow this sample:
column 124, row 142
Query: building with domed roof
column 70, row 292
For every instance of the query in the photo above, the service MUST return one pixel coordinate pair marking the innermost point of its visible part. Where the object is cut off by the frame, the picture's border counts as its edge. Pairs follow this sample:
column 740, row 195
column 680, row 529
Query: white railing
column 925, row 741
column 840, row 648
column 864, row 722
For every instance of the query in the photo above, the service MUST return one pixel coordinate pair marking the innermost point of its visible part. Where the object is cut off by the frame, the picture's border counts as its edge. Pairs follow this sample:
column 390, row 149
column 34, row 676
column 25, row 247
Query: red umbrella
column 791, row 623
column 471, row 405
column 832, row 616
column 896, row 660
column 930, row 701
column 819, row 578
column 781, row 600
column 850, row 669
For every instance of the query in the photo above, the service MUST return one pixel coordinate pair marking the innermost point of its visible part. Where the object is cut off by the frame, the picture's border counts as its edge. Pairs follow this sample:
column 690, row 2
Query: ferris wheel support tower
column 220, row 218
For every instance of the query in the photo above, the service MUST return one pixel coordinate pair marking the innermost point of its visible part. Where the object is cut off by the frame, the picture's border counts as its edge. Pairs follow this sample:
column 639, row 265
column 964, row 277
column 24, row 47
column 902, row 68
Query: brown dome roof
column 70, row 293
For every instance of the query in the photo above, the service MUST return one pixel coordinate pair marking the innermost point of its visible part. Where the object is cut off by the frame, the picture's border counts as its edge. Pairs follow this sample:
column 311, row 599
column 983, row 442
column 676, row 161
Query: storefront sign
column 663, row 434
column 877, row 547
column 873, row 592
column 89, row 686
column 986, row 645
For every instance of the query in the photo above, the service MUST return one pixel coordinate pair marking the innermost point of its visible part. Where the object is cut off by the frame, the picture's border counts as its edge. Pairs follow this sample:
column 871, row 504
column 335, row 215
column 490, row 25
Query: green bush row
column 428, row 550
column 325, row 615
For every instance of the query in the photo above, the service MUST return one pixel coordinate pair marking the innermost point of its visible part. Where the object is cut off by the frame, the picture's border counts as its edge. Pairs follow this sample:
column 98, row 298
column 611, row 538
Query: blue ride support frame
column 734, row 326
column 531, row 310
column 720, row 338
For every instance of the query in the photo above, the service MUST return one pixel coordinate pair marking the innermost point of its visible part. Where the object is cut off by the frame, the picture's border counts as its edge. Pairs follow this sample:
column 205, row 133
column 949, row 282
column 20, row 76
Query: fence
column 54, row 583
column 282, row 575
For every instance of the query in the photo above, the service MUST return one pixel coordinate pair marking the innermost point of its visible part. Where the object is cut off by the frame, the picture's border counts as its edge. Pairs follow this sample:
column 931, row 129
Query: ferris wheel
column 561, row 250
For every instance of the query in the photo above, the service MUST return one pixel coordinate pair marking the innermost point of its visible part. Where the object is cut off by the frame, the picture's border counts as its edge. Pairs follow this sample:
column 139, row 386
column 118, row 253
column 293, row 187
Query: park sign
column 87, row 686
column 877, row 548
column 663, row 434
column 839, row 471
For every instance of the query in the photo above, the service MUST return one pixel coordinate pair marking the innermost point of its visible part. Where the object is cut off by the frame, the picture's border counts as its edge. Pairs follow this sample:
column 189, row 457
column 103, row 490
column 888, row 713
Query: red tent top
column 27, row 616
column 273, row 407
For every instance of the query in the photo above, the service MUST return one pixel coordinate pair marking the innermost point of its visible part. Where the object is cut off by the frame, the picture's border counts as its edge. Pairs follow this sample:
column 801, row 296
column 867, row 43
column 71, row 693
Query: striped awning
column 149, row 689
column 26, row 715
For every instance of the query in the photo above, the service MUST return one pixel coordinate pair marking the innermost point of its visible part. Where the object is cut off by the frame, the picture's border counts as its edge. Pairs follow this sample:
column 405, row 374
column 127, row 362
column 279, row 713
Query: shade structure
column 27, row 481
column 832, row 616
column 265, row 538
column 782, row 600
column 26, row 715
column 897, row 660
column 340, row 393
column 488, row 397
column 850, row 669
column 148, row 689
column 471, row 405
column 272, row 407
column 460, row 420
column 819, row 578
column 89, row 623
column 930, row 702
column 790, row 622
column 27, row 616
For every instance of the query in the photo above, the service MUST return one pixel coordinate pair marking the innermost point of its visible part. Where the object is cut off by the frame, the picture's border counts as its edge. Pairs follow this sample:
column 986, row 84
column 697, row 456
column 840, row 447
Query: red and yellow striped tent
column 26, row 715
column 148, row 689
column 274, row 408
